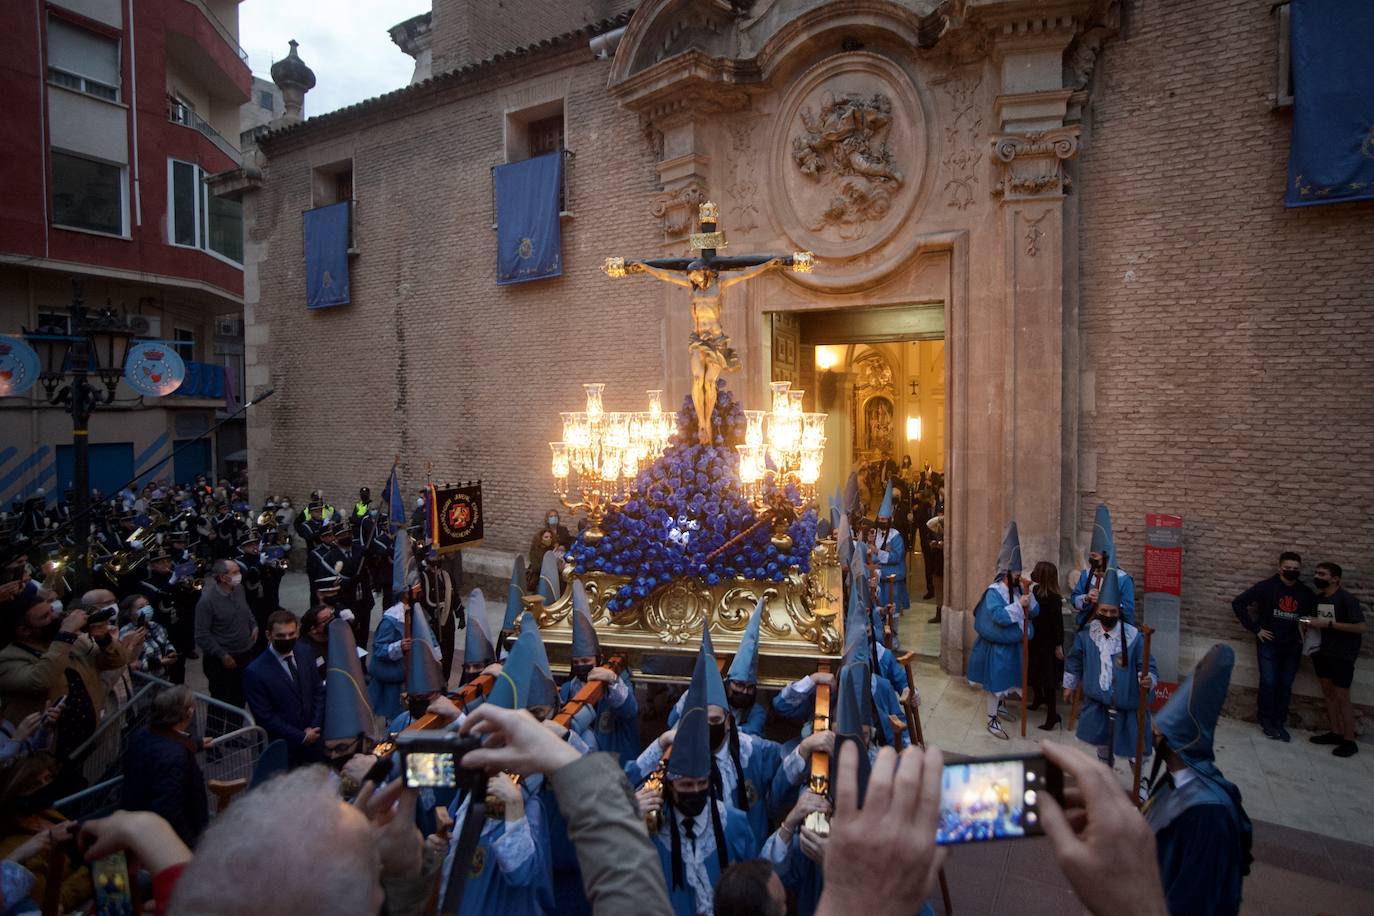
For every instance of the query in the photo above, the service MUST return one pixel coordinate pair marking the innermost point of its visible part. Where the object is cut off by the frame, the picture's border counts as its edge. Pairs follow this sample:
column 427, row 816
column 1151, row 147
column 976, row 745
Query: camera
column 995, row 798
column 103, row 615
column 434, row 759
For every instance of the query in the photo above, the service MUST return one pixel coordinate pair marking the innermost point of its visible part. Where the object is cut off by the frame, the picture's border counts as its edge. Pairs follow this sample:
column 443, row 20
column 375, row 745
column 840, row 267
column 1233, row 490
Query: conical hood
column 715, row 684
column 514, row 605
column 512, row 687
column 550, row 586
column 540, row 689
column 692, row 744
column 858, row 569
column 1102, row 533
column 844, row 540
column 856, row 623
column 1188, row 722
column 885, row 510
column 477, row 645
column 423, row 675
column 517, row 572
column 584, row 641
column 1110, row 592
column 347, row 713
column 852, row 706
column 744, row 667
column 1009, row 557
column 851, row 493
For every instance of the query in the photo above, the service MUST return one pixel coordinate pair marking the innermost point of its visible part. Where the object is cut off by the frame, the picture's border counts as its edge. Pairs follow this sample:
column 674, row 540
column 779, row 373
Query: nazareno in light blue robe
column 1083, row 666
column 995, row 663
column 739, row 845
column 616, row 728
column 498, row 881
column 895, row 592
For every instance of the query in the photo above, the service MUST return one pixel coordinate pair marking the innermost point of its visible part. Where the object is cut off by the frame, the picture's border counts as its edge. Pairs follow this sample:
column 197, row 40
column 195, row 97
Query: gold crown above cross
column 709, row 238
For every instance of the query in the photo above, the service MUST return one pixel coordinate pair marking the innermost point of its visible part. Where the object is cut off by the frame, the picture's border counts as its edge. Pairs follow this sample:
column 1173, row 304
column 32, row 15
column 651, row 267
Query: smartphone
column 110, row 877
column 995, row 798
column 433, row 759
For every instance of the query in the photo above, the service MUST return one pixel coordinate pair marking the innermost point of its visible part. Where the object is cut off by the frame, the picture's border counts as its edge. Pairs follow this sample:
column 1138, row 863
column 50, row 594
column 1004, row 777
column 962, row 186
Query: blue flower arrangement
column 686, row 505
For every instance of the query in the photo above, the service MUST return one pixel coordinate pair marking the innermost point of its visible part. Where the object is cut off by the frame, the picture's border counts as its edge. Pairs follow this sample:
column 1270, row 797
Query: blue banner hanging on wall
column 326, row 255
column 529, row 244
column 1332, row 154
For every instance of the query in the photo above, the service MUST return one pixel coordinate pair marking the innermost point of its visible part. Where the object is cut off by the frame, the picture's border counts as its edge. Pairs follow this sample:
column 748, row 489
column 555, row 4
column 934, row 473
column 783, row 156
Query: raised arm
column 619, row 267
column 749, row 273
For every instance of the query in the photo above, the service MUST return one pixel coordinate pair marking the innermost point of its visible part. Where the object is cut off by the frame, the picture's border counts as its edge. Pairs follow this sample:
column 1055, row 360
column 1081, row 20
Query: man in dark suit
column 284, row 692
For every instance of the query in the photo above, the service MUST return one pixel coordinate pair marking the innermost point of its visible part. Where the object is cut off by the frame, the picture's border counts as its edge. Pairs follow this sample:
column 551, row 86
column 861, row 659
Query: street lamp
column 95, row 344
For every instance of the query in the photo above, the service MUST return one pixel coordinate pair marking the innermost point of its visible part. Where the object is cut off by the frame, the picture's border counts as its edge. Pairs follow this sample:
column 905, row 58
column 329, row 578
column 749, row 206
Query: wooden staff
column 1073, row 710
column 913, row 713
column 1025, row 670
column 589, row 695
column 819, row 781
column 1140, row 718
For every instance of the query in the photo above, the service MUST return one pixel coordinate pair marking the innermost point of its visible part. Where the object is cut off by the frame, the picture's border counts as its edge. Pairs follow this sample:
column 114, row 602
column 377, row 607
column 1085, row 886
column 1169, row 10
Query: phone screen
column 995, row 799
column 429, row 770
column 110, row 878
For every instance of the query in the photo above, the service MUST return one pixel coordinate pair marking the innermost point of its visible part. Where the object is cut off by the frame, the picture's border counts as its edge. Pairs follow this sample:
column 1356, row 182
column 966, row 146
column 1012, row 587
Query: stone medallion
column 849, row 155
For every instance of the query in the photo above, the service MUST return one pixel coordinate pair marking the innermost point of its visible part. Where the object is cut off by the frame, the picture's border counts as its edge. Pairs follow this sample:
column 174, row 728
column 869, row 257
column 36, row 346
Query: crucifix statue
column 708, row 343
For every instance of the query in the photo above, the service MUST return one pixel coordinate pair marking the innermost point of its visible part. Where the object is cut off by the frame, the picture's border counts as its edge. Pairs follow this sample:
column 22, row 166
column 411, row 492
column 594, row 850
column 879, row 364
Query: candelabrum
column 604, row 451
column 783, row 447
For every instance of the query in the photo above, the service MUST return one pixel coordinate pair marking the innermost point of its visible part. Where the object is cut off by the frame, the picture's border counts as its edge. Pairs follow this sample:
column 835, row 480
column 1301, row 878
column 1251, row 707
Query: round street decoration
column 154, row 369
column 18, row 366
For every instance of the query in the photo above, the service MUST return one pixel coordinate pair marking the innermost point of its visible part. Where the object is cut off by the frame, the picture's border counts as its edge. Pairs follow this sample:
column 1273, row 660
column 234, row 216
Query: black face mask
column 740, row 700
column 582, row 671
column 717, row 732
column 1289, row 575
column 284, row 646
column 417, row 706
column 1321, row 584
column 1099, row 564
column 1108, row 623
column 690, row 804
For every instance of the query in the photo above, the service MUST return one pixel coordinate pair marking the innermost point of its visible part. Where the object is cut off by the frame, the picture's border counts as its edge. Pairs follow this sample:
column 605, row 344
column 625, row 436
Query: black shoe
column 927, row 596
column 1050, row 724
column 1284, row 736
column 1346, row 749
column 935, row 619
column 1271, row 734
column 1328, row 738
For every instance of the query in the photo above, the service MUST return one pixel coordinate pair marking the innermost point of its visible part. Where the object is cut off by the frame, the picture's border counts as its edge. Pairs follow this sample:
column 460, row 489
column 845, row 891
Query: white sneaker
column 995, row 729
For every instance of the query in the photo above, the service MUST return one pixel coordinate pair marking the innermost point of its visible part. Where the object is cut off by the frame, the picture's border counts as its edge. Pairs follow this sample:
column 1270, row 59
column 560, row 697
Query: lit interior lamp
column 913, row 429
column 826, row 358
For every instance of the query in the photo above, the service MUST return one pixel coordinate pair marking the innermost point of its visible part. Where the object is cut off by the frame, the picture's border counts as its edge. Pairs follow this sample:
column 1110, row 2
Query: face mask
column 235, row 579
column 552, row 520
column 883, row 526
column 145, row 612
column 1099, row 564
column 1289, row 575
column 1108, row 623
column 417, row 706
column 56, row 605
column 717, row 730
column 581, row 671
column 690, row 804
column 284, row 646
column 740, row 700
column 1321, row 584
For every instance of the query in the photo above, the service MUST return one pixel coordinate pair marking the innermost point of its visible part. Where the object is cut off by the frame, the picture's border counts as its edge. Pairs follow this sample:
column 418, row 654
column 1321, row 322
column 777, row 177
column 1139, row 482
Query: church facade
column 1085, row 197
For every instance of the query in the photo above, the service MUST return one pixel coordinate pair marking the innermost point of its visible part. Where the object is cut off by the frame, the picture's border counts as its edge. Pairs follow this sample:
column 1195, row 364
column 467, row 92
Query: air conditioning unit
column 228, row 327
column 146, row 325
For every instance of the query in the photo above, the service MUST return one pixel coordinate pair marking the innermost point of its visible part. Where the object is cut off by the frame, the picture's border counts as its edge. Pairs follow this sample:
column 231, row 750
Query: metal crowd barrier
column 236, row 743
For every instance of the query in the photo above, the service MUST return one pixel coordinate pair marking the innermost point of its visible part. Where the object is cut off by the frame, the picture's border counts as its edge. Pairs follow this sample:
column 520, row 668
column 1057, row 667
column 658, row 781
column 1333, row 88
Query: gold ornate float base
column 802, row 621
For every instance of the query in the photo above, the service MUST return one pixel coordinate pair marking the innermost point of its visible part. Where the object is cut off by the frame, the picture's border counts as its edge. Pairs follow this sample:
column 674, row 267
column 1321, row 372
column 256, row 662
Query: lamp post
column 93, row 344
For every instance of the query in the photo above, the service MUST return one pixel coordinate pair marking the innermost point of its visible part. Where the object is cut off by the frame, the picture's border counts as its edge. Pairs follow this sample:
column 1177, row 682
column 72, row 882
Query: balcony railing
column 220, row 27
column 180, row 113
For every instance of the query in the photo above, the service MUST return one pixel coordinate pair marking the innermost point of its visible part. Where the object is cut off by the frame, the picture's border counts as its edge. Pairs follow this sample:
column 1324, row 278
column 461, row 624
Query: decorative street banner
column 19, row 366
column 456, row 517
column 154, row 369
column 529, row 241
column 1163, row 588
column 326, row 255
column 1331, row 156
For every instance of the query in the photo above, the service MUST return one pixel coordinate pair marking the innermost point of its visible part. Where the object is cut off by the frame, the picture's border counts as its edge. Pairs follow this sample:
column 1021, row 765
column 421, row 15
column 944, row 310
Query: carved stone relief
column 962, row 149
column 743, row 191
column 844, row 148
column 677, row 208
column 1034, row 233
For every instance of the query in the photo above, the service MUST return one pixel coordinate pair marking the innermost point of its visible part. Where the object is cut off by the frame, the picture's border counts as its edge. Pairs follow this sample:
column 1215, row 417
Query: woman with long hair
column 1047, row 642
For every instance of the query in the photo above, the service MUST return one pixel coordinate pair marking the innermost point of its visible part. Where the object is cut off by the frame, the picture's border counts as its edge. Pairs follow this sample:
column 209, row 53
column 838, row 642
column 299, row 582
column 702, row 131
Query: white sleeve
column 794, row 767
column 514, row 847
column 648, row 758
column 619, row 693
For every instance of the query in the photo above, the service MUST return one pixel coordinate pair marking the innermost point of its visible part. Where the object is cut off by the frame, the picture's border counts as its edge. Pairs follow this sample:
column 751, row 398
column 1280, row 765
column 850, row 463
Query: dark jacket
column 1277, row 606
column 161, row 775
column 284, row 709
column 1047, row 635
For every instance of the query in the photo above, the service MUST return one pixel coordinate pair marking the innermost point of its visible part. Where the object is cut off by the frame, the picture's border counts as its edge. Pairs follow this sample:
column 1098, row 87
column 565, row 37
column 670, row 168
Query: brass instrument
column 818, row 822
column 267, row 518
column 654, row 819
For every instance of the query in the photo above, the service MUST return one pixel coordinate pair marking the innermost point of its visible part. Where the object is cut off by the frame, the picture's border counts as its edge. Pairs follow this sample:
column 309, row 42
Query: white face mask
column 235, row 579
column 56, row 605
column 145, row 612
column 552, row 520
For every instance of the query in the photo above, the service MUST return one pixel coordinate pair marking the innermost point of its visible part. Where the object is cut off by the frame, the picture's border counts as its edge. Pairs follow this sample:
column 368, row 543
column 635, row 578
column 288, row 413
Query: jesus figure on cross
column 708, row 343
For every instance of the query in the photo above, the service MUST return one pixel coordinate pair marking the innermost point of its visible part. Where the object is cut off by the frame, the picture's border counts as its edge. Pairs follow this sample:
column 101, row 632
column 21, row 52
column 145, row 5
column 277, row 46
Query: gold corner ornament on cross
column 708, row 344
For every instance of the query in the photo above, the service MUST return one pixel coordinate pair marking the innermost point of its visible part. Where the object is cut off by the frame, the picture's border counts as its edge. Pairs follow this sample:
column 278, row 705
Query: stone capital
column 1031, row 164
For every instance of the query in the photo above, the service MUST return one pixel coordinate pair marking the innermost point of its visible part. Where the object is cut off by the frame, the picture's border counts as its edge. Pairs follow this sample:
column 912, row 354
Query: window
column 333, row 184
column 184, row 342
column 537, row 131
column 87, row 194
column 83, row 60
column 198, row 219
column 54, row 323
column 546, row 135
column 265, row 100
column 1283, row 87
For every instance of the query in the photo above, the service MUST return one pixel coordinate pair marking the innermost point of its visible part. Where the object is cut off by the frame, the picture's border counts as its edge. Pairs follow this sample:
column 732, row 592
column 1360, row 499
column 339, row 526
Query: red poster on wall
column 1163, row 591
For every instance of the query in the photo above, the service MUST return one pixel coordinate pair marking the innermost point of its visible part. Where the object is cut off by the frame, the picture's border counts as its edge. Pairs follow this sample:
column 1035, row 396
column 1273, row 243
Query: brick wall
column 432, row 360
column 471, row 30
column 1226, row 339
